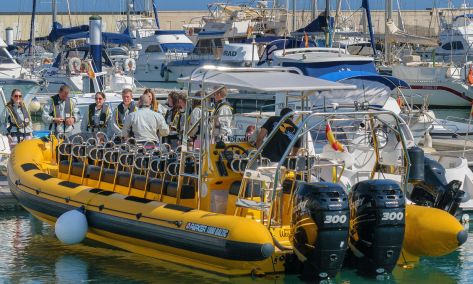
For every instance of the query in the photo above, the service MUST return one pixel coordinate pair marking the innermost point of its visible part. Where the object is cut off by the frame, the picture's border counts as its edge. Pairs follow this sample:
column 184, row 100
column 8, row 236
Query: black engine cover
column 320, row 222
column 377, row 213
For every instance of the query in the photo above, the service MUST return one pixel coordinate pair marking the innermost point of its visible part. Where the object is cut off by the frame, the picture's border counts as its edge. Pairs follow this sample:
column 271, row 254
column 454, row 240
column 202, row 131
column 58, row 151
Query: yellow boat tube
column 166, row 223
column 430, row 232
column 213, row 242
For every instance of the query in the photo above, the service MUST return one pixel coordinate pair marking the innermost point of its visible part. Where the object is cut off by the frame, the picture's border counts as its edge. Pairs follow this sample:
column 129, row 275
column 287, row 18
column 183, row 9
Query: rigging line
column 69, row 12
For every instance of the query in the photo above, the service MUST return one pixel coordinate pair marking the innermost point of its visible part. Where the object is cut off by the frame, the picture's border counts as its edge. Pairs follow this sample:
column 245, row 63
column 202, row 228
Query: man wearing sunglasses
column 60, row 113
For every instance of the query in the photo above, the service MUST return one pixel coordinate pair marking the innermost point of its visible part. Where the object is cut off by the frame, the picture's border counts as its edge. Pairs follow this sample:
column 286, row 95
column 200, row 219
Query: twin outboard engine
column 430, row 187
column 320, row 222
column 377, row 223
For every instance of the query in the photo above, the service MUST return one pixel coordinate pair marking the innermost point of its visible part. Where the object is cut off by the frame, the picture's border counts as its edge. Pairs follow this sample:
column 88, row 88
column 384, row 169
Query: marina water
column 30, row 253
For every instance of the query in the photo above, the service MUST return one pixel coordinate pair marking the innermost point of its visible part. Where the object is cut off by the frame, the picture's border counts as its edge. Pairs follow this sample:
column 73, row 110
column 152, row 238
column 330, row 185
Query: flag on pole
column 91, row 71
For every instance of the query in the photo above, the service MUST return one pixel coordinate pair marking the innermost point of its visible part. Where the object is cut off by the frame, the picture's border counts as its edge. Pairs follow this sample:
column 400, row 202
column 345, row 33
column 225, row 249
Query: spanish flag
column 306, row 40
column 90, row 71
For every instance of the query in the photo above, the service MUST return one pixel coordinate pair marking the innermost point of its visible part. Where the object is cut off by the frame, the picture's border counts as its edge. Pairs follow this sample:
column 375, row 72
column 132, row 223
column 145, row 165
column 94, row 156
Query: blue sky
column 118, row 5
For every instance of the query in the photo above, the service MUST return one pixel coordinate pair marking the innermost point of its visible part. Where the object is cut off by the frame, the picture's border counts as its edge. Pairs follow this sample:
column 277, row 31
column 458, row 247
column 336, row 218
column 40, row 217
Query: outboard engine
column 377, row 214
column 320, row 222
column 430, row 188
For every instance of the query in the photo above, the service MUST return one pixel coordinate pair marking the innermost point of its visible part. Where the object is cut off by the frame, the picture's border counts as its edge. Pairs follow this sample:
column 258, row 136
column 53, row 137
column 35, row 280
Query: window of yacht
column 453, row 45
column 246, row 105
column 153, row 48
column 5, row 56
column 177, row 47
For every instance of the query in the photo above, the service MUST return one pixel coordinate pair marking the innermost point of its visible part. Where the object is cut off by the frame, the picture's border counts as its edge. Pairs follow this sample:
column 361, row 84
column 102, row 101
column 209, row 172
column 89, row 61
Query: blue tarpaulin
column 390, row 81
column 106, row 38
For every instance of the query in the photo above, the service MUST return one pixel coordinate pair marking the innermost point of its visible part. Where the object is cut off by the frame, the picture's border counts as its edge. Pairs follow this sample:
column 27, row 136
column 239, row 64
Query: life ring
column 336, row 145
column 75, row 65
column 129, row 65
column 470, row 76
column 84, row 67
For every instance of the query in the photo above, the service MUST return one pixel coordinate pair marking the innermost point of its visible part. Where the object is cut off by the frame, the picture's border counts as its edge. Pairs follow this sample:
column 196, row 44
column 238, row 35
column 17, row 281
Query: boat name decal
column 209, row 230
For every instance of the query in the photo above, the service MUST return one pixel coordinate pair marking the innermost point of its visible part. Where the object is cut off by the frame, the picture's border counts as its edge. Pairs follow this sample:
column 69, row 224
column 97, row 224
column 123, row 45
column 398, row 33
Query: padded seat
column 108, row 175
column 187, row 191
column 235, row 189
column 139, row 182
column 94, row 172
column 156, row 184
column 63, row 166
column 123, row 178
column 77, row 168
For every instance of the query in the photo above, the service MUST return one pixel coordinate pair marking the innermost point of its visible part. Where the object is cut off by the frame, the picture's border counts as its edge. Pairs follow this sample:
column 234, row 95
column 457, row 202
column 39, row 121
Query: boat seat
column 94, row 172
column 139, row 182
column 63, row 166
column 123, row 178
column 77, row 168
column 187, row 191
column 156, row 184
column 108, row 175
column 235, row 189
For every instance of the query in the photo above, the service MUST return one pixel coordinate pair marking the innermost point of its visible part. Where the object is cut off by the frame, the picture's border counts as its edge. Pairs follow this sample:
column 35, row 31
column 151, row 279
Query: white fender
column 71, row 227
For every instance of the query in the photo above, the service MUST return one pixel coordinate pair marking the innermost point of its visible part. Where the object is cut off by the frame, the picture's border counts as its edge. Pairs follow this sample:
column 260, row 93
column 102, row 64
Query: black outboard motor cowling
column 320, row 223
column 377, row 214
column 435, row 191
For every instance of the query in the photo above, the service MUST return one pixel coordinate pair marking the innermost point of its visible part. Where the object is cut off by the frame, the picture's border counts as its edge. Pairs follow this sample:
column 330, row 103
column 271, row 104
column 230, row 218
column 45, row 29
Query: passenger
column 278, row 144
column 194, row 119
column 182, row 103
column 155, row 105
column 97, row 117
column 121, row 112
column 147, row 125
column 61, row 113
column 222, row 116
column 17, row 124
column 172, row 119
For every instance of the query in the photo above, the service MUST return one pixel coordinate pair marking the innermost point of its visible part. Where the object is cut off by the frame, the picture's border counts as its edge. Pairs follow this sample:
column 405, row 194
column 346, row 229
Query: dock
column 7, row 200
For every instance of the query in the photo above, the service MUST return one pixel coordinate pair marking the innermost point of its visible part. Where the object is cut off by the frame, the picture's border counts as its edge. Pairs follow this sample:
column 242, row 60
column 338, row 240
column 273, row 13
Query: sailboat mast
column 128, row 11
column 327, row 18
column 32, row 28
column 389, row 17
column 293, row 15
column 54, row 20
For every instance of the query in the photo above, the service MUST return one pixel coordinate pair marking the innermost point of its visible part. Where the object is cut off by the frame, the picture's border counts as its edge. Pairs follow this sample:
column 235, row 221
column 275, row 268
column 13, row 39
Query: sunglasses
column 17, row 96
column 99, row 99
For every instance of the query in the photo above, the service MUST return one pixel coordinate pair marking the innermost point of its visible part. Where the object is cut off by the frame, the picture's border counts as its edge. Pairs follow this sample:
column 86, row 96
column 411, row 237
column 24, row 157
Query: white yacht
column 13, row 75
column 157, row 51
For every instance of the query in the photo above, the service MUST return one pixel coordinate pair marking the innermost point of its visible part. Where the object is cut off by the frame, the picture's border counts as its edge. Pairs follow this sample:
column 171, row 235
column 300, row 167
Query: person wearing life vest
column 194, row 117
column 172, row 118
column 61, row 113
column 147, row 124
column 17, row 124
column 97, row 117
column 126, row 107
column 155, row 105
column 222, row 116
column 278, row 144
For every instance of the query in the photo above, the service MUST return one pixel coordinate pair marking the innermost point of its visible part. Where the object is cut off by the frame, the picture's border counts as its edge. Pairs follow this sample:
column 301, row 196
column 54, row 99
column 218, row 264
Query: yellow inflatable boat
column 161, row 215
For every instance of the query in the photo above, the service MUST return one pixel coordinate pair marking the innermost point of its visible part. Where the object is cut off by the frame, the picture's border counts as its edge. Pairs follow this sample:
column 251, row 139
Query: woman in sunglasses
column 17, row 119
column 97, row 117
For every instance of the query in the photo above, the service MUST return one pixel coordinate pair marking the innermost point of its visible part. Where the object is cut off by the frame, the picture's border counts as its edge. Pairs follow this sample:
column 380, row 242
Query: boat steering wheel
column 229, row 154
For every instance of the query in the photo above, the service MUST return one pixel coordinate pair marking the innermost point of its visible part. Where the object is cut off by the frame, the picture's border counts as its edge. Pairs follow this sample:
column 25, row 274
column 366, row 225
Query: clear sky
column 118, row 5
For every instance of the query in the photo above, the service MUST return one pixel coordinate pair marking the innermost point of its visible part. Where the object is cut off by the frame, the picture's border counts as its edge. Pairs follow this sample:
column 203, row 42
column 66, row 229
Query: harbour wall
column 417, row 22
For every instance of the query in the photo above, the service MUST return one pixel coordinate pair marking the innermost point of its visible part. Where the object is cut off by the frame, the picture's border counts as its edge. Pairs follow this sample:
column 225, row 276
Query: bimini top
column 264, row 80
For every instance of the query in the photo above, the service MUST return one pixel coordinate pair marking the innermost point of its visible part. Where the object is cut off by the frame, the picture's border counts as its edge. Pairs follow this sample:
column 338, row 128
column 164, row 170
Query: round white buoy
column 34, row 105
column 71, row 227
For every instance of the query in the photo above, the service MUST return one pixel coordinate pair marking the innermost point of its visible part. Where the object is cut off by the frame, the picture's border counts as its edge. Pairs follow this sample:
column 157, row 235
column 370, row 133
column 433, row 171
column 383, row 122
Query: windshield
column 177, row 47
column 5, row 56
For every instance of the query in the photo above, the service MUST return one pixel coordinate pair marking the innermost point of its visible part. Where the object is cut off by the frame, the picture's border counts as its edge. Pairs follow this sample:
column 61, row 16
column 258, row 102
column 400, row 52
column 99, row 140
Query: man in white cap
column 145, row 124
